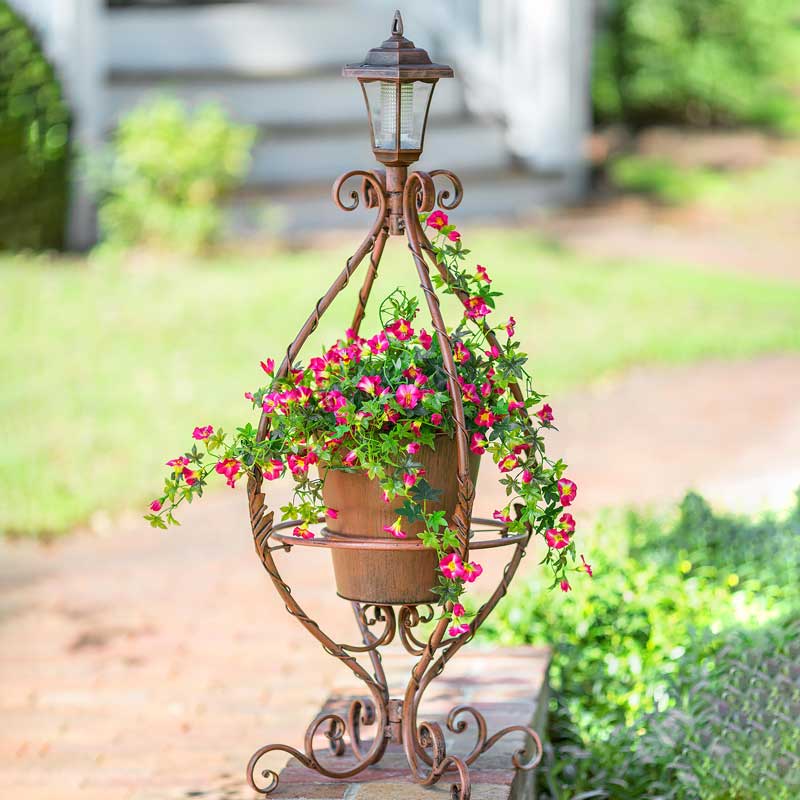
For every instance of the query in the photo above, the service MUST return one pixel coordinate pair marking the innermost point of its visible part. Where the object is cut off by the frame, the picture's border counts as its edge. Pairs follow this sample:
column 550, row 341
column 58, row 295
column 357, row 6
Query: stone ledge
column 508, row 686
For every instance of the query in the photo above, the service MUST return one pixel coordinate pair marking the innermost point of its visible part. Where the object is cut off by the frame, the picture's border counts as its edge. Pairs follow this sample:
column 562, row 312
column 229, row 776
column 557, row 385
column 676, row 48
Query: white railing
column 527, row 62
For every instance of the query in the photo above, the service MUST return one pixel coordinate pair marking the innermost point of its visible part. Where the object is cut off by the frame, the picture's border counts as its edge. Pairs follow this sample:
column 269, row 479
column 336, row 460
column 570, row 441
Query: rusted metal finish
column 398, row 198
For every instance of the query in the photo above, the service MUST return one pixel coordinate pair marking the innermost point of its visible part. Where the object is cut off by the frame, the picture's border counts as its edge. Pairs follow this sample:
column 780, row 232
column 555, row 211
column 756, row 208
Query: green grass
column 757, row 191
column 105, row 371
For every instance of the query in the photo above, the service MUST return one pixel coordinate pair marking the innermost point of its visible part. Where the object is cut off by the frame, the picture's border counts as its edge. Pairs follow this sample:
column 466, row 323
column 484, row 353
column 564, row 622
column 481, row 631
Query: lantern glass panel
column 383, row 98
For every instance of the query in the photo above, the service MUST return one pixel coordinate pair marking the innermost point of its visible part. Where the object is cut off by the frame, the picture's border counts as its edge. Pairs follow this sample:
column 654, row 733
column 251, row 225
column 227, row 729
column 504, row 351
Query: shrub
column 669, row 661
column 166, row 172
column 34, row 142
column 697, row 61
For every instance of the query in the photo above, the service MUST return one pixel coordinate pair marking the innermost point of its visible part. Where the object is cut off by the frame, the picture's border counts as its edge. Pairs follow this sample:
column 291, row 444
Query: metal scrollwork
column 372, row 191
column 390, row 719
column 443, row 198
column 408, row 619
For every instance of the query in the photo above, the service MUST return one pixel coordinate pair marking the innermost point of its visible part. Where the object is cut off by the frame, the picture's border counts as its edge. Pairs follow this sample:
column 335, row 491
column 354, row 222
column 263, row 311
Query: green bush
column 679, row 619
column 34, row 142
column 166, row 172
column 700, row 62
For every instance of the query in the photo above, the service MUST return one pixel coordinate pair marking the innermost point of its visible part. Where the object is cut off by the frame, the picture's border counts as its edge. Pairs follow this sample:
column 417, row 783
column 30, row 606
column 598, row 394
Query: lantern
column 398, row 80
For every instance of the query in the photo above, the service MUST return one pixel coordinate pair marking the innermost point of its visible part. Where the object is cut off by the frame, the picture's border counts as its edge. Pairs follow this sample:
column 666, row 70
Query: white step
column 506, row 196
column 249, row 37
column 323, row 156
column 312, row 100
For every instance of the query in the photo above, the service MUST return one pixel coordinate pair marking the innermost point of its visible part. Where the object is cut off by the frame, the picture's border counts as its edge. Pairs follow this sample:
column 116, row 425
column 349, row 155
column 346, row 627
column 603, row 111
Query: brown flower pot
column 389, row 576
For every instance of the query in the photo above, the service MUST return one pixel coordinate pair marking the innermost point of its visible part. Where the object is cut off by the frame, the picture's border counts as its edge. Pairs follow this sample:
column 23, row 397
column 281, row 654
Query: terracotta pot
column 389, row 576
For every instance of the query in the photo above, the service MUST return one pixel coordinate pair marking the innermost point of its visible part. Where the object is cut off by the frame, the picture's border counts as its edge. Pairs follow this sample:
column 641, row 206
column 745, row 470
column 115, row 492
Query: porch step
column 318, row 97
column 503, row 196
column 252, row 37
column 320, row 155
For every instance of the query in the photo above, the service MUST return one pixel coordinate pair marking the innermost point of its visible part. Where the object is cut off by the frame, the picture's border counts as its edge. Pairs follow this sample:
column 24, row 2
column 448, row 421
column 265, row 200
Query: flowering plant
column 371, row 404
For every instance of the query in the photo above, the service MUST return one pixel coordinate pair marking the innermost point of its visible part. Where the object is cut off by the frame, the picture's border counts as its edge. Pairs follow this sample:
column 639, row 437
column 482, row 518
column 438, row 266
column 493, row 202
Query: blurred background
column 631, row 173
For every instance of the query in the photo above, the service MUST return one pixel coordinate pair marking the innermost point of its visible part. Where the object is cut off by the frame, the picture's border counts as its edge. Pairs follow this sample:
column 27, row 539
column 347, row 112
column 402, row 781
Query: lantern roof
column 397, row 59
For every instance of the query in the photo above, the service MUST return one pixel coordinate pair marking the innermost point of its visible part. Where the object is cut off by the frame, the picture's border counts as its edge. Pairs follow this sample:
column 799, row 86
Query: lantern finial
column 397, row 24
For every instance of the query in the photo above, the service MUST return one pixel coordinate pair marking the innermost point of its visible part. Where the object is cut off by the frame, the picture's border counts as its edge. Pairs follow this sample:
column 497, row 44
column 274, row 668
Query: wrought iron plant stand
column 398, row 198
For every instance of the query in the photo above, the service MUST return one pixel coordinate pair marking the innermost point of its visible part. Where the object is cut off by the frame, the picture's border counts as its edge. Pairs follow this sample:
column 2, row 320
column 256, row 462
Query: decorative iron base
column 425, row 747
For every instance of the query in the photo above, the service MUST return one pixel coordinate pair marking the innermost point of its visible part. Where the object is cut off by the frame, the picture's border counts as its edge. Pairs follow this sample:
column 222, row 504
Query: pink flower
column 545, row 413
column 268, row 366
column 332, row 401
column 416, row 427
column 527, row 476
column 471, row 571
column 513, row 405
column 395, row 529
column 202, row 433
column 502, row 516
column 436, row 419
column 454, row 236
column 507, row 463
column 401, row 329
column 510, row 326
column 249, row 396
column 458, row 630
column 229, row 467
column 493, row 352
column 414, row 373
column 370, row 384
column 451, row 566
column 272, row 402
column 555, row 538
column 302, row 532
column 386, row 497
column 567, row 523
column 478, row 444
column 476, row 308
column 565, row 587
column 390, row 414
column 485, row 419
column 461, row 354
column 409, row 479
column 412, row 448
column 470, row 392
column 275, row 470
column 458, row 610
column 486, row 389
column 378, row 343
column 567, row 491
column 155, row 505
column 189, row 476
column 408, row 395
column 425, row 339
column 438, row 219
column 585, row 567
column 482, row 274
column 333, row 513
column 350, row 458
column 180, row 461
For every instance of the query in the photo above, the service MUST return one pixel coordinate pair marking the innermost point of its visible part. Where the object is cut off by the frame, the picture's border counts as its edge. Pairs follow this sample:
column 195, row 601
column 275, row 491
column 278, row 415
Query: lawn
column 105, row 371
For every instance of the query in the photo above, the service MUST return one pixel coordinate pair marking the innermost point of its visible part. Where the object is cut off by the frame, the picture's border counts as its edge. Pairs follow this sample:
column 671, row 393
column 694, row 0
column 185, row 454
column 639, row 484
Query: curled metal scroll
column 408, row 619
column 443, row 198
column 383, row 614
column 457, row 724
column 371, row 192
